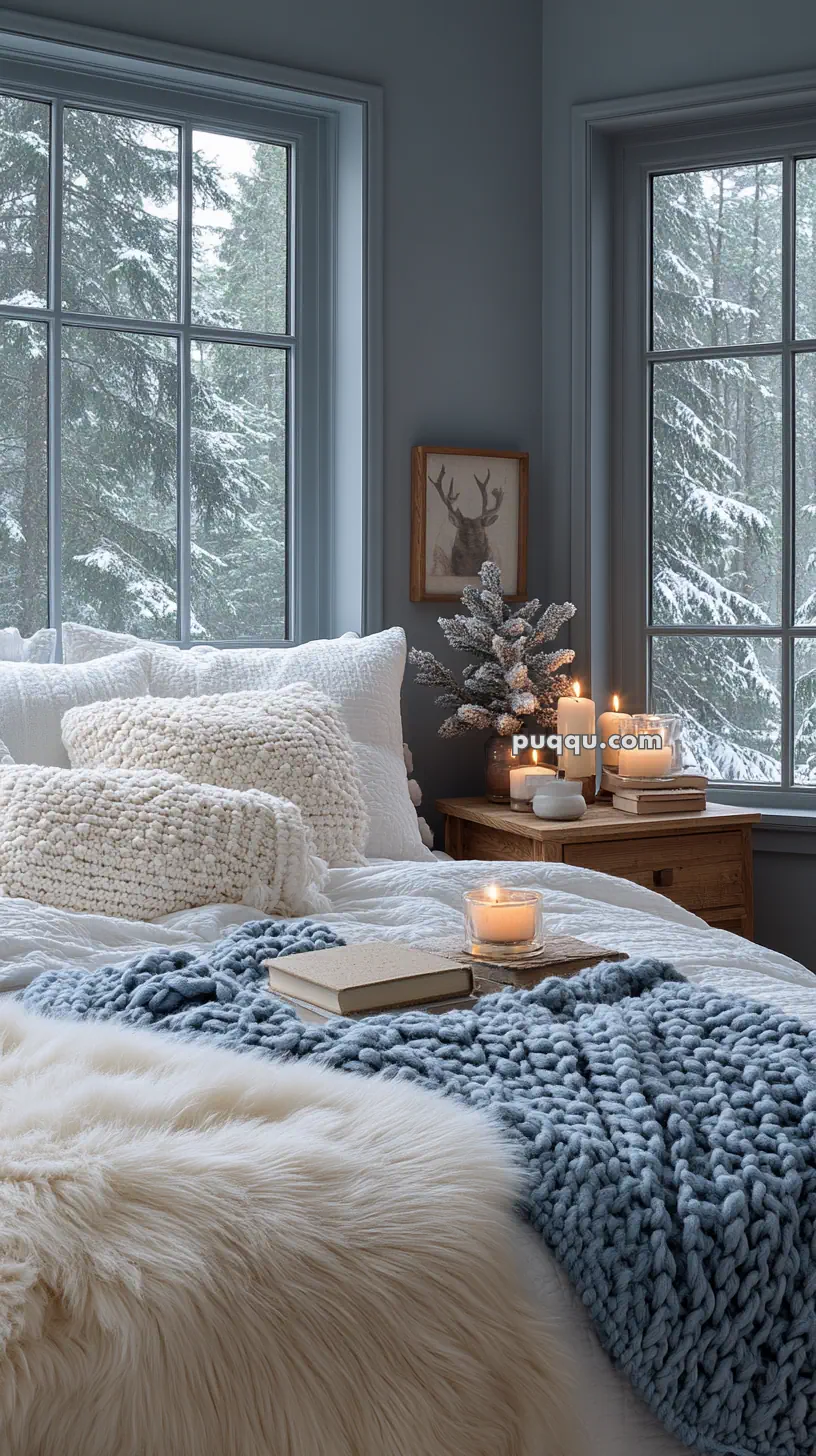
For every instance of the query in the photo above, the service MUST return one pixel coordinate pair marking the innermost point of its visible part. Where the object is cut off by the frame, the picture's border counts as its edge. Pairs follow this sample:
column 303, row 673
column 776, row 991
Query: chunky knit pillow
column 362, row 675
column 291, row 742
column 139, row 845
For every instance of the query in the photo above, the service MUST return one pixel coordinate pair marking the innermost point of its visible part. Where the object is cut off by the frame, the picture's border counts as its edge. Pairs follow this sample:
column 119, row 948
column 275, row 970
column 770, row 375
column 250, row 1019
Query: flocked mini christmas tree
column 513, row 677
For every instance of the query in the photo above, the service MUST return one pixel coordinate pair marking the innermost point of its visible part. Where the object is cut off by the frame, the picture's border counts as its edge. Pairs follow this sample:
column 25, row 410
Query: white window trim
column 336, row 525
column 609, row 545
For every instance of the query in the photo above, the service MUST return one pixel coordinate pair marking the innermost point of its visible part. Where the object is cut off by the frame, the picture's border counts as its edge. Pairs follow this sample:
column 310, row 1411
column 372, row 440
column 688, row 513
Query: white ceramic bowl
column 560, row 799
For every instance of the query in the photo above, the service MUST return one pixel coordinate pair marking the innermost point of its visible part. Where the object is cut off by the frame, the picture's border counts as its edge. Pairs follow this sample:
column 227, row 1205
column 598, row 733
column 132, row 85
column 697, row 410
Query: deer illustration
column 470, row 546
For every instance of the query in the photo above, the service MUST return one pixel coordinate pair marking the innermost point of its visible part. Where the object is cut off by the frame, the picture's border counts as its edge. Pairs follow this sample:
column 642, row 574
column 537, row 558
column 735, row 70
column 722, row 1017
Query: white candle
column 611, row 722
column 644, row 763
column 577, row 715
column 501, row 920
column 524, row 781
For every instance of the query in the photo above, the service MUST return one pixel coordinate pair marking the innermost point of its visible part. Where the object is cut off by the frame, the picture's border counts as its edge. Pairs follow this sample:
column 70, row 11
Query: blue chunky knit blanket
column 669, row 1134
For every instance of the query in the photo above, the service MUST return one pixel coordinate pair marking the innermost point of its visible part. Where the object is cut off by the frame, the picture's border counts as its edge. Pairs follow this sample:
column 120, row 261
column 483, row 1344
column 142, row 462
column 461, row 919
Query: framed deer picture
column 467, row 506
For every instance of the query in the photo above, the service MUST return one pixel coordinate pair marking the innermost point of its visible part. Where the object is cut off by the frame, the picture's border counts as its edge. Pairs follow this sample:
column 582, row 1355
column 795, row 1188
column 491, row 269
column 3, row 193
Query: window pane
column 120, row 223
column 238, row 466
column 717, row 491
column 240, row 223
column 806, row 248
column 805, row 489
column 728, row 690
column 804, row 704
column 119, row 503
column 24, row 127
column 23, row 475
column 717, row 256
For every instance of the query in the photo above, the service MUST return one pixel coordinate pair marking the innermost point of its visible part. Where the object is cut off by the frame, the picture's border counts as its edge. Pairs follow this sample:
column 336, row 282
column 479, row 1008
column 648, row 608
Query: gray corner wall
column 594, row 50
column 462, row 95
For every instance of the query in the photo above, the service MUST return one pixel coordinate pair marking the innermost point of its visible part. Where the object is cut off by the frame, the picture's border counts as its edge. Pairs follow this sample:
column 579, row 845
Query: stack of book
column 681, row 794
column 364, row 979
column 374, row 976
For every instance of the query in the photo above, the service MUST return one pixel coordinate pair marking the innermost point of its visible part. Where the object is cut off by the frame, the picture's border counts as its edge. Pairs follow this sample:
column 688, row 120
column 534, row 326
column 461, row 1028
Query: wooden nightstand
column 702, row 861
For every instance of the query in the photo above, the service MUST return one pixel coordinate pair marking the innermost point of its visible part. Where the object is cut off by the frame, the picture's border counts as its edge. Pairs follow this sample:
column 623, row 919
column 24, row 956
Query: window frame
column 335, row 285
column 637, row 161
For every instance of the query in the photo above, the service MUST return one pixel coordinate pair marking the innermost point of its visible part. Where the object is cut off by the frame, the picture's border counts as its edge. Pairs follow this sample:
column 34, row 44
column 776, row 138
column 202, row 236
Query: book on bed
column 560, row 955
column 307, row 1011
column 368, row 977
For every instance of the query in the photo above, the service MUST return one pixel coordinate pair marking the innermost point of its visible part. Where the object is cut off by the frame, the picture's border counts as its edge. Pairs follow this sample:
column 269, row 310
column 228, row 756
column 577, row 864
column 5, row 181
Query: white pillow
column 41, row 647
column 292, row 743
column 362, row 675
column 140, row 845
column 34, row 696
column 83, row 644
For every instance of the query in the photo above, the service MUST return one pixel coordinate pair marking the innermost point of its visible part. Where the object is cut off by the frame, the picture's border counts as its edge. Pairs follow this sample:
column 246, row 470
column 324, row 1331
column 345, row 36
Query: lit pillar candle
column 577, row 715
column 612, row 722
column 644, row 763
column 524, row 781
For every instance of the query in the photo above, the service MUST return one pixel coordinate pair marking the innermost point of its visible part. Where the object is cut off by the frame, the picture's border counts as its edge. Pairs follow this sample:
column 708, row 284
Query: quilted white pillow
column 362, row 675
column 292, row 743
column 34, row 696
column 38, row 648
column 83, row 644
column 139, row 845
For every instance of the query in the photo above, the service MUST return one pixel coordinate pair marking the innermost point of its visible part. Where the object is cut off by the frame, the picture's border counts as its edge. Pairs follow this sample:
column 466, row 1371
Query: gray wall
column 462, row 85
column 599, row 49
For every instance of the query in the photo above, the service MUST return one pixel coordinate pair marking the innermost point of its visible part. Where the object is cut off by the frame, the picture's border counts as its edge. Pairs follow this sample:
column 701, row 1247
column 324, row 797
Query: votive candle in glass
column 647, row 763
column 524, row 783
column 502, row 923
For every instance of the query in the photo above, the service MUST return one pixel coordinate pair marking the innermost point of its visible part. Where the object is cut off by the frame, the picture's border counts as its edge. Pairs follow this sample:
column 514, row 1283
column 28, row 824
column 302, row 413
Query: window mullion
column 788, row 448
column 55, row 374
column 185, row 380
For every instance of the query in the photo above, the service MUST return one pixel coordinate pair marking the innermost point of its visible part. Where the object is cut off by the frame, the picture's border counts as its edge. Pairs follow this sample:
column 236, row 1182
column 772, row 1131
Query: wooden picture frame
column 445, row 532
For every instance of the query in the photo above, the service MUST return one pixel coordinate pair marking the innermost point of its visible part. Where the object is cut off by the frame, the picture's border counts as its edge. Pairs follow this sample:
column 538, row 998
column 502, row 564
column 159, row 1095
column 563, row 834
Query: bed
column 401, row 892
column 419, row 903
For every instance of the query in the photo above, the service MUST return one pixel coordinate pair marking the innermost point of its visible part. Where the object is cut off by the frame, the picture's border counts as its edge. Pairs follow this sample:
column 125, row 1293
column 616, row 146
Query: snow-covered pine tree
column 247, row 288
column 717, row 453
column 119, row 503
column 514, row 676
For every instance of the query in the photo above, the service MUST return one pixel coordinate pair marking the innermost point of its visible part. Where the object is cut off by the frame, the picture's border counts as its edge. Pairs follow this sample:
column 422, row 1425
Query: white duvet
column 421, row 903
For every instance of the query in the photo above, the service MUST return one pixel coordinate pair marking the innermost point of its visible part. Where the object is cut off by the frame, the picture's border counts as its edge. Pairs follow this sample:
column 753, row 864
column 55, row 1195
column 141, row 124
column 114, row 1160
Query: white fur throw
column 209, row 1255
column 143, row 844
column 291, row 742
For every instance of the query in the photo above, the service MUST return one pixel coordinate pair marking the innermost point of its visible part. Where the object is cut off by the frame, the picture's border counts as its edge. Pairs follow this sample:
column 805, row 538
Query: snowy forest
column 718, row 442
column 119, row 439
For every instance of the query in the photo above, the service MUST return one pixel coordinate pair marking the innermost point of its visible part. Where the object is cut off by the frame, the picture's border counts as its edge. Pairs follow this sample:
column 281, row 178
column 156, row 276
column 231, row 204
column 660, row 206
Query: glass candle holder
column 499, row 760
column 501, row 924
column 524, row 784
column 661, row 761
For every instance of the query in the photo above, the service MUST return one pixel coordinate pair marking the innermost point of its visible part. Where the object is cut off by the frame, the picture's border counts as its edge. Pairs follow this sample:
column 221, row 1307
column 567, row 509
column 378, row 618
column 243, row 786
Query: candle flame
column 492, row 892
column 576, row 688
column 535, row 755
column 615, row 702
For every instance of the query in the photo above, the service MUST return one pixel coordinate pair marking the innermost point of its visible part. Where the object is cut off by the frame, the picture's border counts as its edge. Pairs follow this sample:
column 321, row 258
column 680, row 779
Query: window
column 718, row 262
column 182, row 393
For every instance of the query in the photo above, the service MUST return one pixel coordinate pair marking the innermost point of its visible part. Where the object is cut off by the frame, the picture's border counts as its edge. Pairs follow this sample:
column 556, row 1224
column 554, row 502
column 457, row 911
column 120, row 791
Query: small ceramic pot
column 560, row 799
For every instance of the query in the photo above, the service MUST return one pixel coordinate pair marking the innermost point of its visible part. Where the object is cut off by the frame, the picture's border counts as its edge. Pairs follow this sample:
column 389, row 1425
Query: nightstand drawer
column 698, row 871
